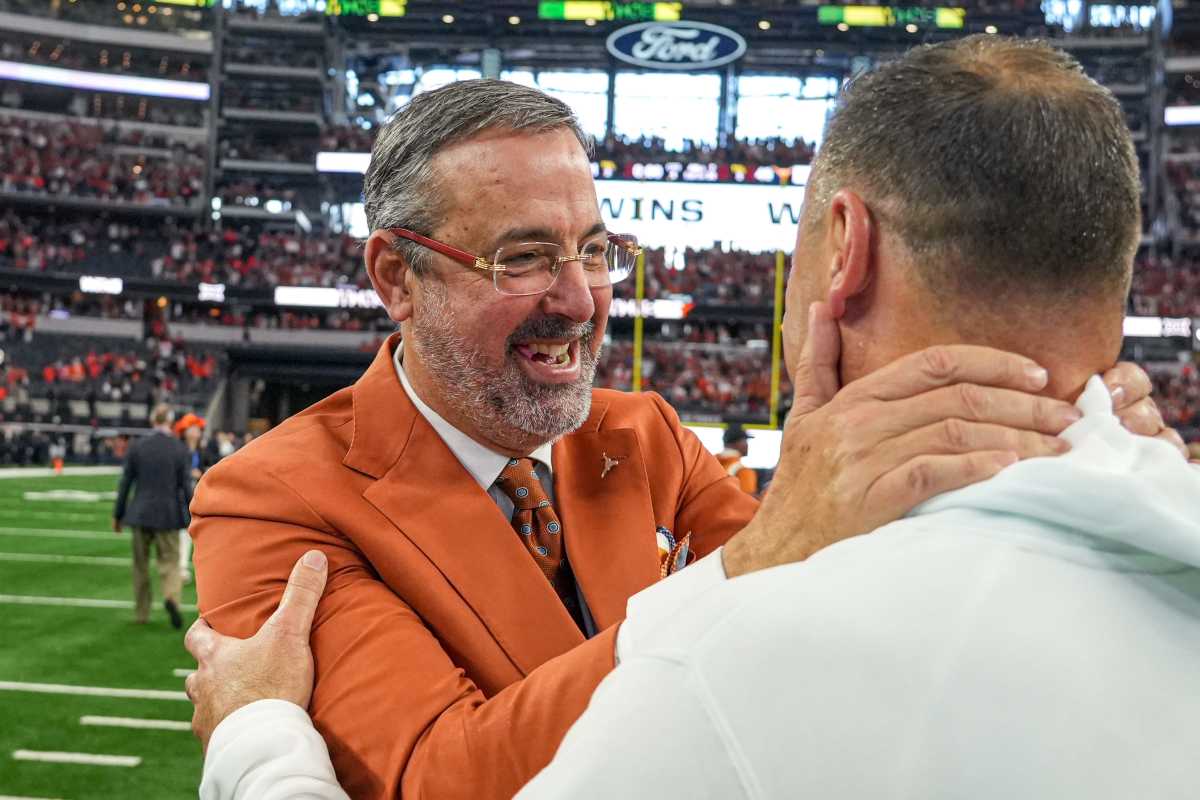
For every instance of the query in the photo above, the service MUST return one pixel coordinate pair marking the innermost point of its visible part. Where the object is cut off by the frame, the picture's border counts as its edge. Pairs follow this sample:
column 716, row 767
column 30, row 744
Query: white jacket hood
column 1120, row 488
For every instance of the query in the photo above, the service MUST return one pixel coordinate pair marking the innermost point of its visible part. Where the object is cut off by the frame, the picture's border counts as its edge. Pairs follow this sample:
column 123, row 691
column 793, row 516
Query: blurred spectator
column 255, row 146
column 1177, row 391
column 260, row 53
column 1165, row 288
column 713, row 381
column 241, row 256
column 85, row 160
column 347, row 138
column 708, row 277
column 267, row 97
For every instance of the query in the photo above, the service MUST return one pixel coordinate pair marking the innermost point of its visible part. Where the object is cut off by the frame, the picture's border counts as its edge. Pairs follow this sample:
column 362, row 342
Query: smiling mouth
column 553, row 354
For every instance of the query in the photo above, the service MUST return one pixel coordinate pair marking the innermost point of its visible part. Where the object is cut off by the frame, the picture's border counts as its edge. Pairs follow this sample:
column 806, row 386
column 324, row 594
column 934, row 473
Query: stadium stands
column 78, row 159
column 101, row 57
column 247, row 213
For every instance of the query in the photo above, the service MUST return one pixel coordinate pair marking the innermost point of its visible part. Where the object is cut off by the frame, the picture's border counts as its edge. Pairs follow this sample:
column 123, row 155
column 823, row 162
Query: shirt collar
column 484, row 464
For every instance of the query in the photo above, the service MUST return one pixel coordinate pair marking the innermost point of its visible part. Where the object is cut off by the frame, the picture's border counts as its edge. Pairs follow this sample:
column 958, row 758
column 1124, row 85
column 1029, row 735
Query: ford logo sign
column 676, row 45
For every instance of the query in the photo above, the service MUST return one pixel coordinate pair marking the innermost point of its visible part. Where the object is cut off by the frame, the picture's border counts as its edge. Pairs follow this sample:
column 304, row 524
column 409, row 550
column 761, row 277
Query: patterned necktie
column 536, row 522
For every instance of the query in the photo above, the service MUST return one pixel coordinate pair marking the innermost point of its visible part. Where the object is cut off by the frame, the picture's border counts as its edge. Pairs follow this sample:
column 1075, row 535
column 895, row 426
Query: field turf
column 57, row 547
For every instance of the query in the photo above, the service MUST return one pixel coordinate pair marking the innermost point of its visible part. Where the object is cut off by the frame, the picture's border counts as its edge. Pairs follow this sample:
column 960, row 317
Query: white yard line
column 46, row 472
column 74, row 602
column 92, row 691
column 93, row 759
column 14, row 797
column 43, row 558
column 55, row 533
column 137, row 722
column 182, row 673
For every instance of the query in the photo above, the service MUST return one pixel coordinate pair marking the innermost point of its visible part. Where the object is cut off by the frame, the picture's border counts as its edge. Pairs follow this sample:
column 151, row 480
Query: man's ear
column 851, row 242
column 390, row 274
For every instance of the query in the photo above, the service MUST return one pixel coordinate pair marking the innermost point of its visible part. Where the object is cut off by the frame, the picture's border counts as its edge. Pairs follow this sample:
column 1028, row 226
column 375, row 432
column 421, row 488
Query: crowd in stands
column 1112, row 70
column 268, row 98
column 55, row 244
column 72, row 158
column 105, row 105
column 74, row 374
column 721, row 381
column 55, row 52
column 1183, row 178
column 257, row 147
column 708, row 277
column 347, row 139
column 1184, row 90
column 247, row 257
column 1177, row 391
column 756, row 152
column 261, row 54
column 1164, row 287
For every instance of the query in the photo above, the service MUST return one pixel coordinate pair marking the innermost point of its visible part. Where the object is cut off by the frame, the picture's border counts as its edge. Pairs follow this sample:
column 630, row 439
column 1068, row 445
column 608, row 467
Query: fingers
column 304, row 588
column 1142, row 418
column 974, row 403
column 915, row 481
column 816, row 379
column 948, row 364
column 1128, row 384
column 955, row 436
column 200, row 639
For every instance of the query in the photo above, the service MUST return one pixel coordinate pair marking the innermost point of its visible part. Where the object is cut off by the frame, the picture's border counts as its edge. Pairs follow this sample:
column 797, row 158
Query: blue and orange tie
column 537, row 524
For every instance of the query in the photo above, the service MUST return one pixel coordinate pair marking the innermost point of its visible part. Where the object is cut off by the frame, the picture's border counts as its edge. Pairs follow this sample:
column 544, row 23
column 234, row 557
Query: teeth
column 555, row 351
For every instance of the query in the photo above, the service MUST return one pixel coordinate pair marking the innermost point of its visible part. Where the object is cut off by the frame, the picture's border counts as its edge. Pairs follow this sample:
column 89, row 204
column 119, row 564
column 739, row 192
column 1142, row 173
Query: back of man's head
column 1008, row 174
column 161, row 415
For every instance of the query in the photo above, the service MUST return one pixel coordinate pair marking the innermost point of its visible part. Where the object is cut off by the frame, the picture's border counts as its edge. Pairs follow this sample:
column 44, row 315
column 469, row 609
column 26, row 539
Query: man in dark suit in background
column 158, row 466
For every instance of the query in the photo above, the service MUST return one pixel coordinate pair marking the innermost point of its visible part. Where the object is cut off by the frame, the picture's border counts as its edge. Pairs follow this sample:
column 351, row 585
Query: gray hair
column 1005, row 169
column 401, row 189
column 162, row 414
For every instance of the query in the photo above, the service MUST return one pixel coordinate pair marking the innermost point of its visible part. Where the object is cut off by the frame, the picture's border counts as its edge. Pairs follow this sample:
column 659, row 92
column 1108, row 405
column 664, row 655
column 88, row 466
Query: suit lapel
column 430, row 497
column 608, row 517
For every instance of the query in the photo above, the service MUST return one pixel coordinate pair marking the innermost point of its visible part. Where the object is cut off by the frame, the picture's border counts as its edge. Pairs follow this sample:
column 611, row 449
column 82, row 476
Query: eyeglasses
column 532, row 267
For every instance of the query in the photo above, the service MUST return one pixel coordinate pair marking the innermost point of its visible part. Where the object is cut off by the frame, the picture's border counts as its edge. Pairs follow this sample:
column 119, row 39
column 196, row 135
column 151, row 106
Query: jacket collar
column 427, row 495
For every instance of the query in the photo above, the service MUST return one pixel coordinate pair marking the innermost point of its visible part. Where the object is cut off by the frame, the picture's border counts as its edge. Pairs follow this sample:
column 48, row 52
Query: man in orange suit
column 487, row 515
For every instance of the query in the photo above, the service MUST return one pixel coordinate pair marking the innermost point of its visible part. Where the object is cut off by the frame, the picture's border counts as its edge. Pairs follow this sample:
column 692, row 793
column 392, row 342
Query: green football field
column 68, row 640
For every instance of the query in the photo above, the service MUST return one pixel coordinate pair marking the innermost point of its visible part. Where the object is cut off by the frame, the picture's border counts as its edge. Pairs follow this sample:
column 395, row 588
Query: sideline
column 93, row 691
column 48, row 472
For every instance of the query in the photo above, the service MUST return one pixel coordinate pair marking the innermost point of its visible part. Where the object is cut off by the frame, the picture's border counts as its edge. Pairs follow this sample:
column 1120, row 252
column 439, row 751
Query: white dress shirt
column 484, row 465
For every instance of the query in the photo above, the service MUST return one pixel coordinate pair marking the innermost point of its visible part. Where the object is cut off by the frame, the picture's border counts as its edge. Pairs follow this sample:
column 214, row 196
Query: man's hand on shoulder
column 275, row 663
column 858, row 457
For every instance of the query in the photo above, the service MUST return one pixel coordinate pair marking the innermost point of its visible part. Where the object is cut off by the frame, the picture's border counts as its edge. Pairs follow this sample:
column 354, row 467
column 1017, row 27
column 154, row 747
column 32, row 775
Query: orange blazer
column 446, row 666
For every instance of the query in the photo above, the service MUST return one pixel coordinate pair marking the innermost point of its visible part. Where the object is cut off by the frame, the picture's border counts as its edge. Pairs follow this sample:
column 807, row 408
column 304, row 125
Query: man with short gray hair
column 485, row 516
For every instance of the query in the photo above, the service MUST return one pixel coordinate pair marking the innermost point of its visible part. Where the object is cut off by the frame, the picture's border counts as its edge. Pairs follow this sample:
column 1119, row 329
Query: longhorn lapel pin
column 609, row 464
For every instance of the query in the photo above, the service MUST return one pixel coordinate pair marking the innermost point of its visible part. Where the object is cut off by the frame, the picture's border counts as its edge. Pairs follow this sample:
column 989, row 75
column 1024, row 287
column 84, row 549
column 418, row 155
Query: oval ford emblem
column 676, row 45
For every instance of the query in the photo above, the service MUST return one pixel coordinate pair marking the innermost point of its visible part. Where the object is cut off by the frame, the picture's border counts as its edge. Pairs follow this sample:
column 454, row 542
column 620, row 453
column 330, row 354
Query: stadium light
column 100, row 284
column 98, row 81
column 1183, row 115
column 354, row 163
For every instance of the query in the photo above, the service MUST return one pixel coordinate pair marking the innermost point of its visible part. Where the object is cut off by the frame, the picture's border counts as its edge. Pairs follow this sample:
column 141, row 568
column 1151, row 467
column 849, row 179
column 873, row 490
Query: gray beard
column 508, row 400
